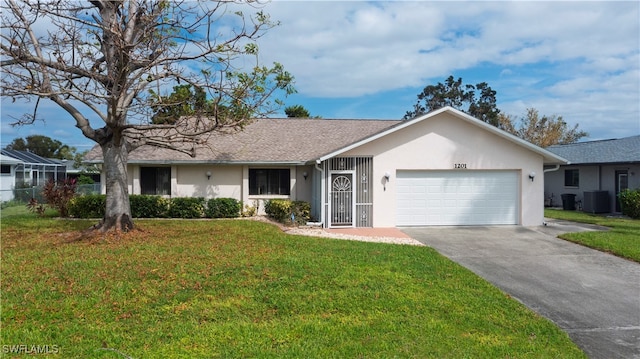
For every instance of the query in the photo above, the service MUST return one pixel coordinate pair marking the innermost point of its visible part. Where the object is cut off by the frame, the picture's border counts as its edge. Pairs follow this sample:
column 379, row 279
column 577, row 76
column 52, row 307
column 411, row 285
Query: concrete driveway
column 593, row 296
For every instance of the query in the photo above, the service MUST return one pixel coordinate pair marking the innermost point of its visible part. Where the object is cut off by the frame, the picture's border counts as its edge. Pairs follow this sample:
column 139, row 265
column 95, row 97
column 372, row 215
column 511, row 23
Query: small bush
column 85, row 179
column 34, row 207
column 630, row 202
column 278, row 209
column 223, row 208
column 286, row 211
column 301, row 211
column 58, row 195
column 145, row 206
column 88, row 206
column 250, row 210
column 186, row 207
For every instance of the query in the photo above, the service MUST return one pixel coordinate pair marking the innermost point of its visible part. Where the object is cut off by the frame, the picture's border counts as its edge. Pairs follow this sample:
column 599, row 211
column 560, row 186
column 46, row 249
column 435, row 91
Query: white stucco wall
column 191, row 181
column 231, row 181
column 441, row 142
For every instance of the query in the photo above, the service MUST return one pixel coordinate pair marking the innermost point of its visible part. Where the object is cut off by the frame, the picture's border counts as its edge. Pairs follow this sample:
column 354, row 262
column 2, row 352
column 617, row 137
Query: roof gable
column 622, row 150
column 549, row 157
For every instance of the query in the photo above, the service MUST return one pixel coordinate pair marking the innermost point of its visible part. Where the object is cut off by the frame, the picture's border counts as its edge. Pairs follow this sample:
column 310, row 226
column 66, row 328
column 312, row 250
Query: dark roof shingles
column 623, row 150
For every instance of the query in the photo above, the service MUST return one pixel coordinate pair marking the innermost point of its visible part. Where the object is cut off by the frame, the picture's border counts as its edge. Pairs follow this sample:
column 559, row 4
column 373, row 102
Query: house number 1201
column 460, row 165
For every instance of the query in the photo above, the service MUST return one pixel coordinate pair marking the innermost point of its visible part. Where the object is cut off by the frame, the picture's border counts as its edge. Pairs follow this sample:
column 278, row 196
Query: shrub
column 88, row 206
column 35, row 207
column 278, row 209
column 286, row 211
column 250, row 210
column 58, row 195
column 630, row 202
column 223, row 208
column 145, row 206
column 84, row 179
column 186, row 207
column 301, row 211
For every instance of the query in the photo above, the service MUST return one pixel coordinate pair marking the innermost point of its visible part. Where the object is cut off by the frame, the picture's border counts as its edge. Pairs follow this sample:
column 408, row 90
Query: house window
column 269, row 181
column 155, row 180
column 6, row 169
column 571, row 178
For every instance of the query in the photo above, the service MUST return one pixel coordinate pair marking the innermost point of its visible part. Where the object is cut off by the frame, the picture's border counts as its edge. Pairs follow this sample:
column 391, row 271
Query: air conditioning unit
column 596, row 202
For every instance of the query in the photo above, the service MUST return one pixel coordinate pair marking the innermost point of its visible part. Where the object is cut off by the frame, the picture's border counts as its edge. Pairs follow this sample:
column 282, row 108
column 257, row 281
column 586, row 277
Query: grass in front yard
column 623, row 238
column 237, row 289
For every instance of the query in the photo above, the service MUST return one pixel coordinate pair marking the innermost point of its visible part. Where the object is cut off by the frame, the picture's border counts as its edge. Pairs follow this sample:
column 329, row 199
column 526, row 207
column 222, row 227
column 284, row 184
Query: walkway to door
column 370, row 232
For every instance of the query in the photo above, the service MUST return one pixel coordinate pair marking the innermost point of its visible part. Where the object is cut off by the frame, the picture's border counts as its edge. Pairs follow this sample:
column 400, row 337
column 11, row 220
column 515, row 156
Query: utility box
column 568, row 201
column 596, row 202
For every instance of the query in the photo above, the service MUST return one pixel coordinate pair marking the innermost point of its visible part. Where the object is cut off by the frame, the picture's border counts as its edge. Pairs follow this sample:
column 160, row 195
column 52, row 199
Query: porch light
column 387, row 175
column 305, row 175
column 532, row 175
column 208, row 175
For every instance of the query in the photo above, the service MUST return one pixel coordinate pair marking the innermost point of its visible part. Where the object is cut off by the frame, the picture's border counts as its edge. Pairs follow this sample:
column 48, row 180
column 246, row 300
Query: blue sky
column 356, row 59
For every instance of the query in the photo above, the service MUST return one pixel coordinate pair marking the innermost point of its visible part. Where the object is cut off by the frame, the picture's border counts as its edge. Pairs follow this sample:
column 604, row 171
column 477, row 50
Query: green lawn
column 238, row 289
column 623, row 238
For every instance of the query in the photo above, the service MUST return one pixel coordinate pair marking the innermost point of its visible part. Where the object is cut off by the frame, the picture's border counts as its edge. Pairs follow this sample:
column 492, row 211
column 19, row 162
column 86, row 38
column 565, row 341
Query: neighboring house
column 597, row 171
column 75, row 172
column 443, row 168
column 34, row 170
column 8, row 177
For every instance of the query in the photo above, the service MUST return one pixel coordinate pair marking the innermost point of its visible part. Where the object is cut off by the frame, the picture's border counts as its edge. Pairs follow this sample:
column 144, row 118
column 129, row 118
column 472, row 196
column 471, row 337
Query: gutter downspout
column 553, row 169
column 557, row 167
column 322, row 193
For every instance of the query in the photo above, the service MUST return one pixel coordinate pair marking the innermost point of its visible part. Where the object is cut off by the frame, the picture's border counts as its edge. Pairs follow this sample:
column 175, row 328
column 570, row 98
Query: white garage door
column 457, row 198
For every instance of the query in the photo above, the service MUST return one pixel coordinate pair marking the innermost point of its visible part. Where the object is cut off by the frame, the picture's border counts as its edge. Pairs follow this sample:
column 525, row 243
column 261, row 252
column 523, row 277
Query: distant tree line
column 477, row 100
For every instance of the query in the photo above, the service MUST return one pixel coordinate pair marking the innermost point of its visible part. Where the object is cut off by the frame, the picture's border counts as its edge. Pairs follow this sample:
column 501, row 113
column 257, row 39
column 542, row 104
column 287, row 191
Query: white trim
column 322, row 192
column 6, row 160
column 547, row 155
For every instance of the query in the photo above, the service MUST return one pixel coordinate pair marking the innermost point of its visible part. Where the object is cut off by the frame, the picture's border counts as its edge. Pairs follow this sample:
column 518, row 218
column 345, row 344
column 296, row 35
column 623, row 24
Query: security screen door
column 341, row 197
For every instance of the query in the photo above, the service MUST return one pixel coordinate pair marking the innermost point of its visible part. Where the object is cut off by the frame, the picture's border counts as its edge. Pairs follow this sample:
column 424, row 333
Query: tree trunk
column 118, row 210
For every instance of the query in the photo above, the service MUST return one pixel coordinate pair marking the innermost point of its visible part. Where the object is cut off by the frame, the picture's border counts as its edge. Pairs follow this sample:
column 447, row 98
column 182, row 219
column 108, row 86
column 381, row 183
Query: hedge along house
column 442, row 168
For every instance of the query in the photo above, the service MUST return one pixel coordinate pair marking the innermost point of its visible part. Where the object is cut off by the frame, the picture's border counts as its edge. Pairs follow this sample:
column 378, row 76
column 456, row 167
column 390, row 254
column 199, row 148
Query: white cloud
column 580, row 60
column 354, row 48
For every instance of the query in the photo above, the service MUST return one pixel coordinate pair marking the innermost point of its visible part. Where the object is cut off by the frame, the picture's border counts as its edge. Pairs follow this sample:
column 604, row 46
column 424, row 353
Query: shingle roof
column 266, row 141
column 623, row 150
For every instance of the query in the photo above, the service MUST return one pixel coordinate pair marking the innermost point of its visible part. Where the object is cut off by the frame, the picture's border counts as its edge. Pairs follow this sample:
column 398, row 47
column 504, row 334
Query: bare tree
column 103, row 62
column 542, row 131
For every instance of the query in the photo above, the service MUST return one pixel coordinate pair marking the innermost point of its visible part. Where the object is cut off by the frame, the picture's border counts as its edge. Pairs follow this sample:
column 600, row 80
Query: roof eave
column 208, row 162
column 616, row 163
column 549, row 157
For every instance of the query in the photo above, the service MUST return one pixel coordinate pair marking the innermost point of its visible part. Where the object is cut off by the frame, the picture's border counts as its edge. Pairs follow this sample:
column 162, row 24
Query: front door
column 622, row 183
column 341, row 199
